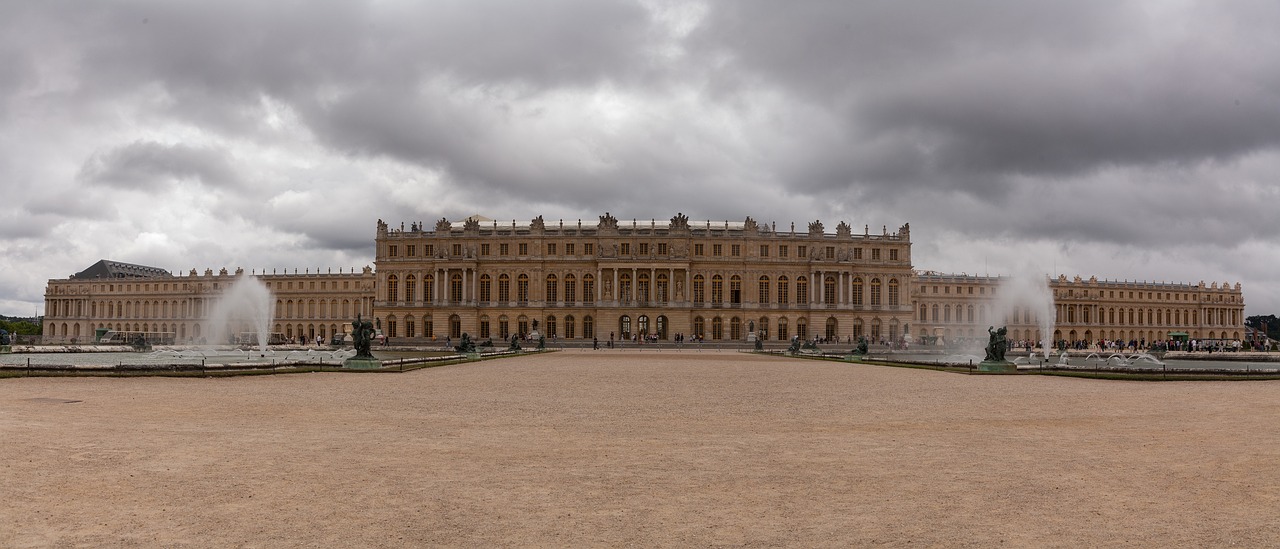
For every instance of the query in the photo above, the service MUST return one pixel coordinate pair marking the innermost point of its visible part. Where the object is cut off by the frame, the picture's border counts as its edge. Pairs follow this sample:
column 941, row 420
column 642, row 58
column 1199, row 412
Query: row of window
column 639, row 248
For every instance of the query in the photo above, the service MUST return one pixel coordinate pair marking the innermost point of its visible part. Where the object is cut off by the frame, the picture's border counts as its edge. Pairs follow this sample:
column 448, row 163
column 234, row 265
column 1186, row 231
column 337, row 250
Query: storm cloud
column 1127, row 140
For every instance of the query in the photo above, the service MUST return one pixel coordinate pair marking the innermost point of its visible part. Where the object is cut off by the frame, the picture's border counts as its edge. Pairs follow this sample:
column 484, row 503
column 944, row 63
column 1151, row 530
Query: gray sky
column 1126, row 140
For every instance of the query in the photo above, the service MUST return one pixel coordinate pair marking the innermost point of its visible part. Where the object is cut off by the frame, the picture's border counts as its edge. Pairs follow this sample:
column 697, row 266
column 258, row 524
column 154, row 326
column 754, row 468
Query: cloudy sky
column 1126, row 140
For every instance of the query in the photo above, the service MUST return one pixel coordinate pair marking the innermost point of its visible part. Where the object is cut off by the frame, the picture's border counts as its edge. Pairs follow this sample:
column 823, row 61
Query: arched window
column 588, row 325
column 698, row 327
column 393, row 288
column 969, row 313
column 699, row 289
column 429, row 288
column 486, row 288
column 857, row 290
column 735, row 289
column 802, row 328
column 410, row 284
column 875, row 329
column 833, row 328
column 935, row 313
column 783, row 290
column 624, row 326
column 893, row 293
column 783, row 330
column 588, row 296
column 569, row 325
column 875, row 291
column 552, row 294
column 946, row 313
column 570, row 291
column 455, row 288
column 522, row 288
column 624, row 287
column 763, row 294
column 504, row 288
column 802, row 294
column 455, row 326
column 642, row 288
column 664, row 285
column 717, row 290
column 735, row 328
column 409, row 328
column 717, row 328
column 829, row 290
column 551, row 327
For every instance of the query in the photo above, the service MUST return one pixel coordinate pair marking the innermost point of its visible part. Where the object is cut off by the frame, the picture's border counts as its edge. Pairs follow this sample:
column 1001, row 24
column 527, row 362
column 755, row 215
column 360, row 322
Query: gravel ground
column 620, row 448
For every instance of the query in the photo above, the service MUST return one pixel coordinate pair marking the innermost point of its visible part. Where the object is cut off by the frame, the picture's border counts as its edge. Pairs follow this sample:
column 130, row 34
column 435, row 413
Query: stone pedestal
column 1003, row 366
column 360, row 363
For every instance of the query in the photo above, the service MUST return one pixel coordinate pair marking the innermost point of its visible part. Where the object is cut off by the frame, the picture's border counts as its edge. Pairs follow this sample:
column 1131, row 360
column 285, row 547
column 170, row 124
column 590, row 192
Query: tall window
column 717, row 328
column 569, row 326
column 504, row 288
column 522, row 288
column 699, row 328
column 588, row 296
column 802, row 328
column 699, row 289
column 552, row 284
column 624, row 287
column 784, row 332
column 410, row 284
column 893, row 292
column 486, row 288
column 857, row 293
column 717, row 290
column 783, row 291
column 875, row 291
column 802, row 292
column 551, row 326
column 428, row 288
column 663, row 285
column 642, row 288
column 455, row 288
column 763, row 294
column 570, row 294
column 588, row 326
column 393, row 288
column 829, row 290
column 735, row 328
column 735, row 289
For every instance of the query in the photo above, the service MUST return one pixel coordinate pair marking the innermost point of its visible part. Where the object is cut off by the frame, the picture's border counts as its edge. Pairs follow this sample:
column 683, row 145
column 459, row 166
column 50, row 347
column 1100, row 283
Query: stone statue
column 542, row 343
column 862, row 346
column 362, row 336
column 996, row 344
column 515, row 343
column 795, row 345
column 751, row 325
column 466, row 345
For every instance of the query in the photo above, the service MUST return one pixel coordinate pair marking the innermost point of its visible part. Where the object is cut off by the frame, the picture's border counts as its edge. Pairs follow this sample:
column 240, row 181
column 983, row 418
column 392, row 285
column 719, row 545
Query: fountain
column 246, row 306
column 1031, row 291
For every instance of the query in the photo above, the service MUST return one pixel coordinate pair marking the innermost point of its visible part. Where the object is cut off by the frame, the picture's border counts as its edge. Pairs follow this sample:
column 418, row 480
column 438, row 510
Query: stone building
column 963, row 306
column 714, row 280
column 111, row 295
column 717, row 280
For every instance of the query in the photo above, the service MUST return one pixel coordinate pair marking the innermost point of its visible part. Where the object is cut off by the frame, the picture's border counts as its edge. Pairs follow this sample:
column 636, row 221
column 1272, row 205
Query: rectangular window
column 484, row 249
column 429, row 250
column 589, row 248
column 946, row 290
column 893, row 254
column 524, row 248
column 782, row 251
column 551, row 249
column 410, row 250
column 568, row 249
column 625, row 248
column 857, row 253
column 970, row 290
column 831, row 252
column 662, row 248
column 875, row 254
column 802, row 251
column 457, row 249
column 697, row 249
column 764, row 250
column 717, row 250
column 644, row 248
column 735, row 250
column 504, row 249
column 392, row 251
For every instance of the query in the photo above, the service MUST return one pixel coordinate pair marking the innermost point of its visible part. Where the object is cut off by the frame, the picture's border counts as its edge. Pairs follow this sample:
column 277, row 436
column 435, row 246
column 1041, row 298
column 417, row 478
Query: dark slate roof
column 114, row 269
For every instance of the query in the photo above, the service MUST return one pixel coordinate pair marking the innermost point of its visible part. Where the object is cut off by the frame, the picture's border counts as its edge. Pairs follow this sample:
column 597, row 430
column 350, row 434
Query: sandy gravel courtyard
column 617, row 448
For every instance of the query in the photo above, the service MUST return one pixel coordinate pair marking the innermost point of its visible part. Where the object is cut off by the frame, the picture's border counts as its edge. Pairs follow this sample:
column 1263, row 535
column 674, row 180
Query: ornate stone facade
column 1086, row 310
column 308, row 304
column 714, row 279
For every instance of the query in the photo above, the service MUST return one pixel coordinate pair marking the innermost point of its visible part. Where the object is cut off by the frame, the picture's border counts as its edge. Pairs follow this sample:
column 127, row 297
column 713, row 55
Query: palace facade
column 720, row 281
